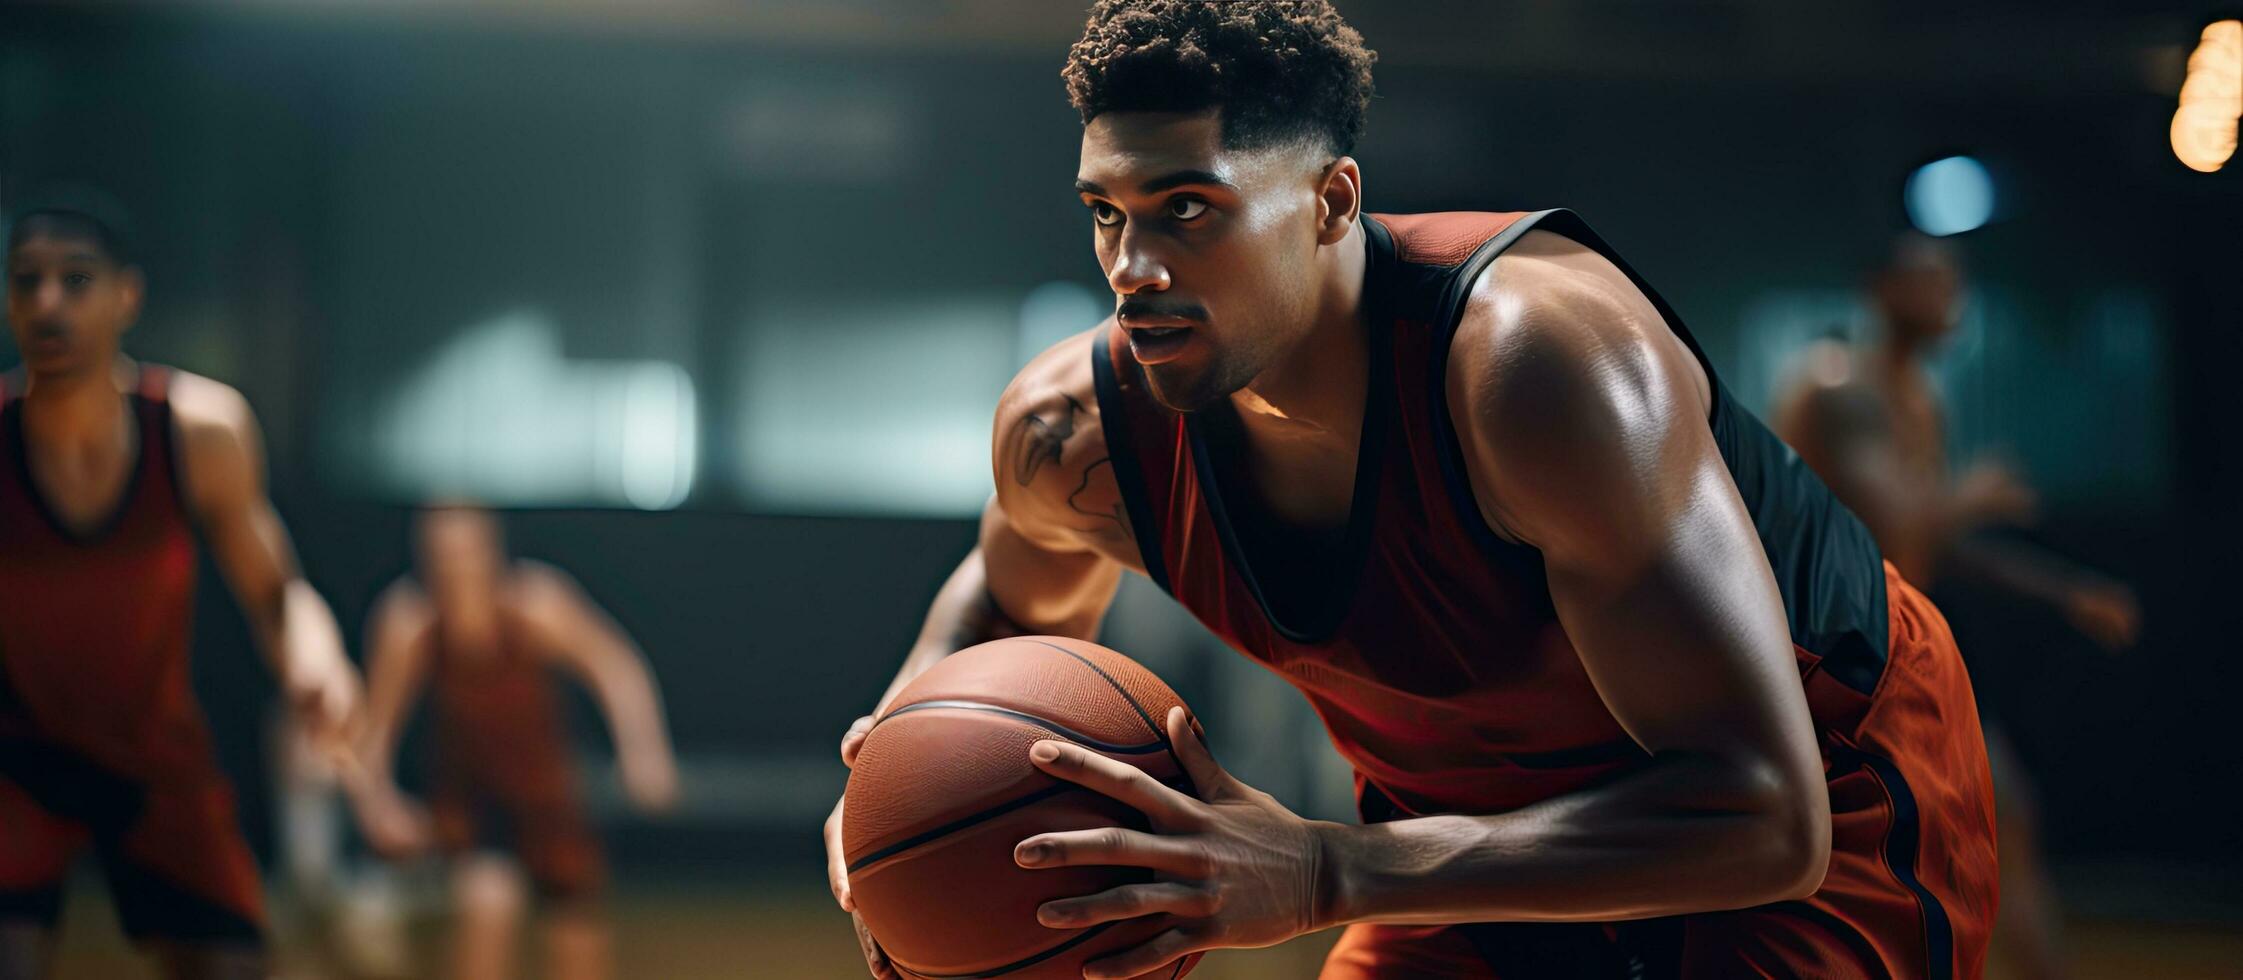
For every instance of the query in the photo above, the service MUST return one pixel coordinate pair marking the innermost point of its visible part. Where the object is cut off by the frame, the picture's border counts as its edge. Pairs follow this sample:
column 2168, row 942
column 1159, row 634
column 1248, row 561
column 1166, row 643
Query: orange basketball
column 943, row 790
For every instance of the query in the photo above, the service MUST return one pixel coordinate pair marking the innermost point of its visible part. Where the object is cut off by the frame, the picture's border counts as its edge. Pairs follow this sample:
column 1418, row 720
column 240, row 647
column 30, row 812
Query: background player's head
column 1917, row 288
column 462, row 559
column 74, row 285
column 1215, row 166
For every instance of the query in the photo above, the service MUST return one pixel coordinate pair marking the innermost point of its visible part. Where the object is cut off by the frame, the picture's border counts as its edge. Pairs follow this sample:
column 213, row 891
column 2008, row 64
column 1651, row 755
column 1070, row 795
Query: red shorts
column 171, row 849
column 551, row 838
column 1910, row 891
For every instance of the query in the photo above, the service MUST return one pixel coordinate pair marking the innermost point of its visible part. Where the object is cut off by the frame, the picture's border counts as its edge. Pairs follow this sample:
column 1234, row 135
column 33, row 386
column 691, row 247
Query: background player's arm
column 398, row 652
column 398, row 645
column 1843, row 433
column 223, row 462
column 1585, row 435
column 580, row 636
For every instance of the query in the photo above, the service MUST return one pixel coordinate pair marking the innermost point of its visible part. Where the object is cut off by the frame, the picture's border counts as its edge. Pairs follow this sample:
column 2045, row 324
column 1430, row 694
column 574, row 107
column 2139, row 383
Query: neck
column 78, row 407
column 1900, row 351
column 1317, row 387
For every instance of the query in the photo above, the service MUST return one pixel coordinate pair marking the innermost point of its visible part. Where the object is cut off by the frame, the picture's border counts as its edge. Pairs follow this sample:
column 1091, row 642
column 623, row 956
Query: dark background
column 830, row 217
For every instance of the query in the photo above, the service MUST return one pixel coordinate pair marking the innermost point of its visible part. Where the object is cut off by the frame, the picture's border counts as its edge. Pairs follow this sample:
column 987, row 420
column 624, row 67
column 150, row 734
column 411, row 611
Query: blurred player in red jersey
column 110, row 470
column 485, row 633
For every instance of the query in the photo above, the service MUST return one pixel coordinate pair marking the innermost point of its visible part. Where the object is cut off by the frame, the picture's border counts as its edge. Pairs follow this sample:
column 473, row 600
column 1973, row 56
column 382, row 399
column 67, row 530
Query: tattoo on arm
column 1091, row 501
column 1043, row 442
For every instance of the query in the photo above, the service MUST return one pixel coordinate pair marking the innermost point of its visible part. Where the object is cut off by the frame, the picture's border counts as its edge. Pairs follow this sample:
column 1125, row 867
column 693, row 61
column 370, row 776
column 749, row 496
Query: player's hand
column 396, row 827
column 837, row 866
column 1232, row 869
column 324, row 698
column 2105, row 612
column 650, row 779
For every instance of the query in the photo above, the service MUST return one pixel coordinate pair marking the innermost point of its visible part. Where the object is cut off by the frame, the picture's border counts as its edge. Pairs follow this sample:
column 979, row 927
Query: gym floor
column 697, row 929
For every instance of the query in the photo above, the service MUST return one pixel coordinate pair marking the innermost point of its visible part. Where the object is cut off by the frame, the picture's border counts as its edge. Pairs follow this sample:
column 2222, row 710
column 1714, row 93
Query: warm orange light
column 2204, row 126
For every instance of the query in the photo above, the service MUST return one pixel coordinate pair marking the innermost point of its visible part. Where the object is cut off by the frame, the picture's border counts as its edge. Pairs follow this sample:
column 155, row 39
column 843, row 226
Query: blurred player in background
column 109, row 472
column 482, row 631
column 1871, row 425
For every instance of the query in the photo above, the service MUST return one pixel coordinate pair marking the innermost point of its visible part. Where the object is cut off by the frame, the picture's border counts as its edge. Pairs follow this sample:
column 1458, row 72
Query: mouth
column 1153, row 343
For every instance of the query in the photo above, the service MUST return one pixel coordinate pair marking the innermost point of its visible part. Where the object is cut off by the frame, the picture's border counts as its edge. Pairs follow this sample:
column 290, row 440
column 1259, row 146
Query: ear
column 1339, row 200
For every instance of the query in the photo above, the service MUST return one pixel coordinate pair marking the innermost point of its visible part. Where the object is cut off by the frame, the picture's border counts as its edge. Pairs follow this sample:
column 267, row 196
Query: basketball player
column 1870, row 423
column 110, row 470
column 1627, row 692
column 485, row 632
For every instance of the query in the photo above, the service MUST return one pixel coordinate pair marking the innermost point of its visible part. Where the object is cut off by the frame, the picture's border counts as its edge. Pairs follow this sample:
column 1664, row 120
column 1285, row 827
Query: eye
column 76, row 279
column 1105, row 214
column 1186, row 208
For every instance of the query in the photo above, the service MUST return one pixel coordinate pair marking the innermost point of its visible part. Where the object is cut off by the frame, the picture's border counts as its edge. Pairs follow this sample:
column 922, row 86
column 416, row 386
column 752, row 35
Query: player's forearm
column 633, row 709
column 1689, row 834
column 300, row 637
column 961, row 616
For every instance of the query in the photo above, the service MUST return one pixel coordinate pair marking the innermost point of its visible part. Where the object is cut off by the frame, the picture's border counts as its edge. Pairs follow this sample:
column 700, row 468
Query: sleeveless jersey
column 94, row 625
column 499, row 728
column 1436, row 659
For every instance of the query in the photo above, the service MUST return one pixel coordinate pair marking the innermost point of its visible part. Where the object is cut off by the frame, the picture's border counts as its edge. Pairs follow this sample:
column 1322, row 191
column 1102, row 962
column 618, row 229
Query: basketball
column 943, row 790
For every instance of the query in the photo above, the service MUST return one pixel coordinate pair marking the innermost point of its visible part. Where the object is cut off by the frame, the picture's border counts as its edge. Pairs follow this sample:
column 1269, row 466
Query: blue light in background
column 1950, row 196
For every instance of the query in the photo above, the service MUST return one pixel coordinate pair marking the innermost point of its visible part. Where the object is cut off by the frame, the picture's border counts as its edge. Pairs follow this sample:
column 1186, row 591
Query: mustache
column 1132, row 308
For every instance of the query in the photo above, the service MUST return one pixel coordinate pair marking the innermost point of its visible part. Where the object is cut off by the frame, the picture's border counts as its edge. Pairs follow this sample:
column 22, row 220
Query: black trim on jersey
column 1900, row 854
column 12, row 418
column 1121, row 448
column 1379, row 397
column 1826, row 564
column 1447, row 315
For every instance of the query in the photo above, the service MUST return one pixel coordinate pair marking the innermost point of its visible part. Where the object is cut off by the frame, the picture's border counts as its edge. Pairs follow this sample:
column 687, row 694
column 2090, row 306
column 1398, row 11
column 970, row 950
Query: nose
column 1135, row 269
column 42, row 298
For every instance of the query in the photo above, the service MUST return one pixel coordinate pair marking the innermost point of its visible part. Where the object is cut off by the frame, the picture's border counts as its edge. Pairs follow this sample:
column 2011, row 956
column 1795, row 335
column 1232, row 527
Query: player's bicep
column 1594, row 450
column 224, row 469
column 1055, row 535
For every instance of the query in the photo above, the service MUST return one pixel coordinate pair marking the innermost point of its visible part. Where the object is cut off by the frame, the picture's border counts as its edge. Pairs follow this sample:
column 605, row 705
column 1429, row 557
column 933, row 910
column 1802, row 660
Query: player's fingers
column 1119, row 780
column 1143, row 958
column 837, row 870
column 1128, row 902
column 1113, row 846
column 875, row 959
column 1208, row 777
column 853, row 740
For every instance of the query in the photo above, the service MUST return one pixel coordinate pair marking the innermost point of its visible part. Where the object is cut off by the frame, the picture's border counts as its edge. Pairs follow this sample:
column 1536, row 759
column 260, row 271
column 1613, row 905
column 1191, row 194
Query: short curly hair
column 1279, row 70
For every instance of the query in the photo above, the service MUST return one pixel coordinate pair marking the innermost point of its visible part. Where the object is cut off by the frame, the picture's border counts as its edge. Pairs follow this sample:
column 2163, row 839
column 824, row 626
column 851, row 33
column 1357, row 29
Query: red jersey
column 1432, row 651
column 94, row 626
column 498, row 723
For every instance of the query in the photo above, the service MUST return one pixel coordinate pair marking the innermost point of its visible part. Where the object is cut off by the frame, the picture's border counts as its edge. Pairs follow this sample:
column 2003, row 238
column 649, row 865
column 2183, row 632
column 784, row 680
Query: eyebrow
column 1163, row 182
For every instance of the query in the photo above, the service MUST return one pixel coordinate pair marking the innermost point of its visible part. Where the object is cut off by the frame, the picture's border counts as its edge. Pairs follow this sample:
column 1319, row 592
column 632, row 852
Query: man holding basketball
column 1627, row 692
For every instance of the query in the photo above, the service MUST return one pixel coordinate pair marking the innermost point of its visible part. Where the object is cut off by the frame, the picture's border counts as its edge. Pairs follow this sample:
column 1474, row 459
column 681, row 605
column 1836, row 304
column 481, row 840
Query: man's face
column 460, row 566
column 69, row 303
column 1210, row 251
column 1921, row 297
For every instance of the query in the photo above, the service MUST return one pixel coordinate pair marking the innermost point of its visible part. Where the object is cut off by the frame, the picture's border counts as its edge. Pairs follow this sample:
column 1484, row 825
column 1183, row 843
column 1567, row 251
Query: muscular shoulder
column 1828, row 397
column 1563, row 377
column 538, row 591
column 1054, row 478
column 220, row 444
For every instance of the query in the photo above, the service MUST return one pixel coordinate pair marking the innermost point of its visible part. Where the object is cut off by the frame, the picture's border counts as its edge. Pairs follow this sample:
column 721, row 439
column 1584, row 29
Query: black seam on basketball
column 1191, row 789
column 960, row 824
column 1023, row 964
column 1150, row 725
column 1071, row 734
